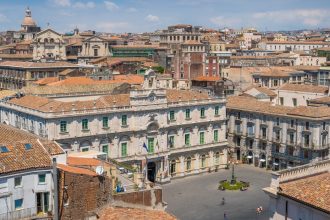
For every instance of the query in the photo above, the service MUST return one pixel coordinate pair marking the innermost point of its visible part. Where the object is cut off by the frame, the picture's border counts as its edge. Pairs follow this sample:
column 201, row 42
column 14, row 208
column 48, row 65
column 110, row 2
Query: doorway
column 151, row 171
column 238, row 154
column 42, row 202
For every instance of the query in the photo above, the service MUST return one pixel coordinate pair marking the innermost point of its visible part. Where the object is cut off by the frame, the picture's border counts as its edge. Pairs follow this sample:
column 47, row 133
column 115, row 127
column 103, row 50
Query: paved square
column 197, row 197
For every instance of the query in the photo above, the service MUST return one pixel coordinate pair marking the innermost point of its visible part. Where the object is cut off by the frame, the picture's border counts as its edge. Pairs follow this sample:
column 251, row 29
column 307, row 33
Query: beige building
column 94, row 47
column 183, row 131
column 275, row 136
column 48, row 45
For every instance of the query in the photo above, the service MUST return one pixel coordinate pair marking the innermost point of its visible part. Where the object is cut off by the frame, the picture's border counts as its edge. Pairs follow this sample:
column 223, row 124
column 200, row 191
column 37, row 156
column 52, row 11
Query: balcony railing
column 290, row 157
column 238, row 132
column 263, row 137
column 19, row 214
column 250, row 134
column 277, row 139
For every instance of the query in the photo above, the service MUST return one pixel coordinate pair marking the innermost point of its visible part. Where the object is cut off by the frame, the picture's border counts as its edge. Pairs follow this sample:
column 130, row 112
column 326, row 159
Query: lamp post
column 233, row 180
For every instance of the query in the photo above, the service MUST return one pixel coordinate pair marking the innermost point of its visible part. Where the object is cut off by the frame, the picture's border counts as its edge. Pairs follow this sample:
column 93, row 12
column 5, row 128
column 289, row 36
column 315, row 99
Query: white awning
column 249, row 157
column 262, row 160
column 276, row 164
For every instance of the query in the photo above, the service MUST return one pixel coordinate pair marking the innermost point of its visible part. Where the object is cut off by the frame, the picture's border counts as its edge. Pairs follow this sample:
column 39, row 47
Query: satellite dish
column 99, row 170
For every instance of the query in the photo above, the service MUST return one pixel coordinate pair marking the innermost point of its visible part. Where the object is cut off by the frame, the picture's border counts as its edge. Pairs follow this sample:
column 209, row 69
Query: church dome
column 28, row 21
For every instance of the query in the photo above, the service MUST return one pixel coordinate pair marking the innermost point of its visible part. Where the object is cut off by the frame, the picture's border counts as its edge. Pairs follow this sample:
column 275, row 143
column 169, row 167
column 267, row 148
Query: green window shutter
column 124, row 120
column 202, row 112
column 187, row 113
column 105, row 122
column 63, row 126
column 187, row 139
column 85, row 124
column 105, row 149
column 216, row 135
column 201, row 138
column 124, row 149
column 151, row 145
column 216, row 110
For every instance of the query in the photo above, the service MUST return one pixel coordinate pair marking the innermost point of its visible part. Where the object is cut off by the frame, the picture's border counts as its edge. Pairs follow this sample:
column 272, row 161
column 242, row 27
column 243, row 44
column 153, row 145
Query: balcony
column 263, row 137
column 290, row 142
column 238, row 132
column 250, row 134
column 289, row 157
column 277, row 140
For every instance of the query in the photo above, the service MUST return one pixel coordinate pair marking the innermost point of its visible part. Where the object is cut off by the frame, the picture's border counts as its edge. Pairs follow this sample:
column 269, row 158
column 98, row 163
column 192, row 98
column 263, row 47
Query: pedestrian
column 223, row 201
column 224, row 216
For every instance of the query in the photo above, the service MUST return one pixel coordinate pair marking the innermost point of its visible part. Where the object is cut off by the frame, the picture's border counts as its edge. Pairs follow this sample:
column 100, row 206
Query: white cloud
column 131, row 9
column 63, row 3
column 112, row 26
column 309, row 17
column 83, row 5
column 152, row 18
column 111, row 5
column 225, row 21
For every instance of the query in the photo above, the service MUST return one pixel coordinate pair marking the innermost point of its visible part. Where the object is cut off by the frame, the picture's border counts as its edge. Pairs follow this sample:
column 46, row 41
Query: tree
column 158, row 69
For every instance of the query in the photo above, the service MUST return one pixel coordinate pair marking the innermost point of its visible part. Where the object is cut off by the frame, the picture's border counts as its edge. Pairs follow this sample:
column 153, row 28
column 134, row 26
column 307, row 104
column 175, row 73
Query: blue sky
column 148, row 15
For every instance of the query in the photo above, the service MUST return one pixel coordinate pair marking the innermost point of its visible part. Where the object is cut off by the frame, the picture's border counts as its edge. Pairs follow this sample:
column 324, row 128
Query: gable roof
column 304, row 88
column 18, row 158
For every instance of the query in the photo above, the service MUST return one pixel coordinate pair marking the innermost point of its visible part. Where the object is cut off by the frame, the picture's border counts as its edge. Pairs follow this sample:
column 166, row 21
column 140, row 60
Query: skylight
column 28, row 146
column 4, row 149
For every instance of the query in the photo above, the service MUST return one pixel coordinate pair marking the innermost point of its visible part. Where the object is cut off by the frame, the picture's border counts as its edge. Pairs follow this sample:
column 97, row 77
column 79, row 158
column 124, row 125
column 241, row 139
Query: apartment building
column 26, row 179
column 18, row 74
column 274, row 136
column 292, row 45
column 299, row 94
column 178, row 132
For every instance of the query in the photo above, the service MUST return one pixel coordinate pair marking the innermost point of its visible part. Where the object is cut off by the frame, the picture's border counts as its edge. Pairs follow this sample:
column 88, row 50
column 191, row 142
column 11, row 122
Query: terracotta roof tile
column 18, row 158
column 76, row 170
column 313, row 190
column 264, row 90
column 246, row 103
column 76, row 161
column 118, row 213
column 207, row 78
column 174, row 95
column 29, row 65
column 304, row 88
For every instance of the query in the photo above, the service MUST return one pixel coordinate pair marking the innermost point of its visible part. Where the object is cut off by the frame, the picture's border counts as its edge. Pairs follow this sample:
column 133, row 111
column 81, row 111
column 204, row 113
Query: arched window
column 188, row 164
column 51, row 40
column 46, row 40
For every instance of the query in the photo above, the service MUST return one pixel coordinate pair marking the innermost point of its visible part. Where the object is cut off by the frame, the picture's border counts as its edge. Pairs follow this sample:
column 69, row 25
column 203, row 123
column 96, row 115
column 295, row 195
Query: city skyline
column 146, row 16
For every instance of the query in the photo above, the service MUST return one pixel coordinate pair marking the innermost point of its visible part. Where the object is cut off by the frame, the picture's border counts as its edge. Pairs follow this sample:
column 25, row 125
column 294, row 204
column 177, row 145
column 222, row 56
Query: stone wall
column 152, row 198
column 80, row 194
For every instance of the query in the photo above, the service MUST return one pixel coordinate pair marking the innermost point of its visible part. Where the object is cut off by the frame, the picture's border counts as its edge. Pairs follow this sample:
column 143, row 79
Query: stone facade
column 48, row 45
column 277, row 140
column 183, row 130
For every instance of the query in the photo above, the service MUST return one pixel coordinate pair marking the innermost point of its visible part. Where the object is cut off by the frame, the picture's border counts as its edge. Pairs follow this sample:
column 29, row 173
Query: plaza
column 198, row 197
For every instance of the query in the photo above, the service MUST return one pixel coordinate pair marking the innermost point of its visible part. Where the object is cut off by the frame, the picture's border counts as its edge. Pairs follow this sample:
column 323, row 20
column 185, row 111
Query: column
column 182, row 165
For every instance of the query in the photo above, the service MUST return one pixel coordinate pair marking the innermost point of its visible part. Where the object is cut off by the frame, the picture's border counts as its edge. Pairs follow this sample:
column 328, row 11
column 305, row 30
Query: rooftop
column 114, row 213
column 18, row 157
column 30, row 65
column 250, row 104
column 44, row 104
column 304, row 88
column 312, row 190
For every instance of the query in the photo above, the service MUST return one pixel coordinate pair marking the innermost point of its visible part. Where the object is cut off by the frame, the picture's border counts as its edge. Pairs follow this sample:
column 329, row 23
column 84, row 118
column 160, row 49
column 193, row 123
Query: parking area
column 197, row 197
